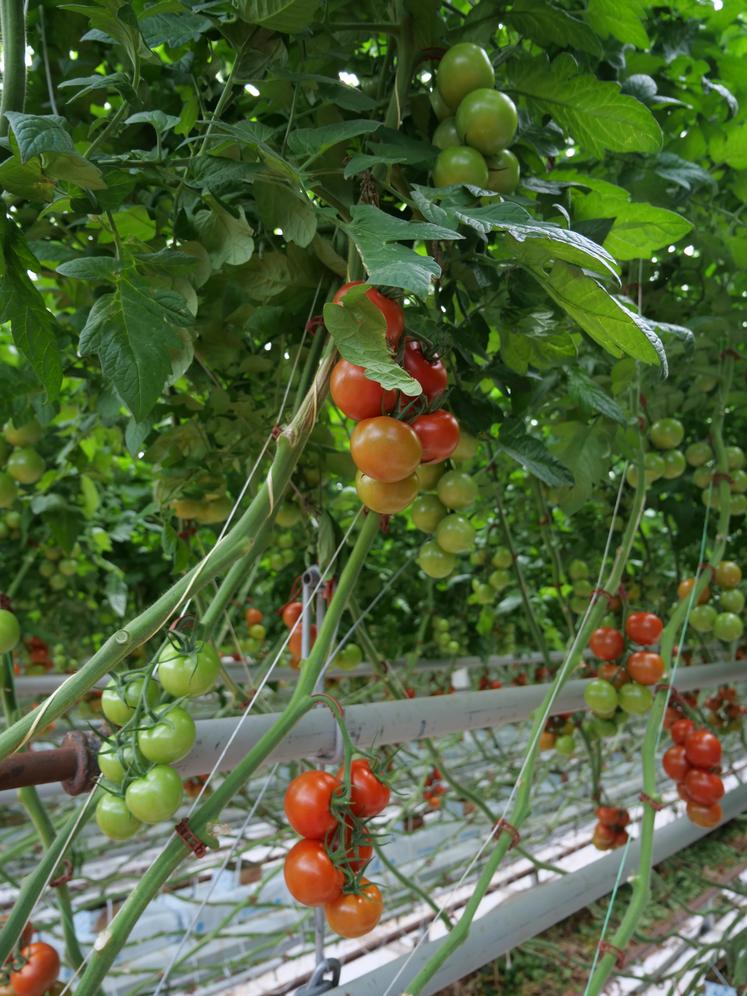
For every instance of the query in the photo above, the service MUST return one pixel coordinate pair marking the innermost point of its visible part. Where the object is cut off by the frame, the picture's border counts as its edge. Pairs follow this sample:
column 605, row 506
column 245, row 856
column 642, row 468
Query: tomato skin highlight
column 703, row 787
column 292, row 613
column 644, row 628
column 391, row 310
column 645, row 667
column 675, row 762
column 430, row 374
column 310, row 875
column 385, row 449
column 40, row 971
column 356, row 395
column 369, row 796
column 703, row 749
column 607, row 643
column 438, row 433
column 307, row 801
column 680, row 730
column 355, row 915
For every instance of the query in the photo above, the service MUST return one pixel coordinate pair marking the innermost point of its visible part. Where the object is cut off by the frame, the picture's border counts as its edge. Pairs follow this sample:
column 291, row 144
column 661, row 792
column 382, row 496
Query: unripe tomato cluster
column 23, row 464
column 700, row 456
column 477, row 123
column 726, row 624
column 578, row 572
column 558, row 734
column 624, row 689
column 440, row 512
column 610, row 831
column 666, row 459
column 325, row 868
column 389, row 451
column 693, row 762
column 155, row 730
column 255, row 626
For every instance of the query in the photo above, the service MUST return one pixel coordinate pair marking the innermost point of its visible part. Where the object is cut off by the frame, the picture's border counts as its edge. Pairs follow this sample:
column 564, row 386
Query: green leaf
column 640, row 229
column 160, row 121
column 548, row 25
column 359, row 331
column 377, row 236
column 267, row 276
column 289, row 210
column 116, row 19
column 588, row 393
column 228, row 240
column 116, row 591
column 119, row 82
column 728, row 144
column 314, row 141
column 585, row 450
column 26, row 180
column 288, row 16
column 91, row 268
column 74, row 168
column 682, row 172
column 609, row 322
column 134, row 332
column 533, row 456
column 33, row 327
column 90, row 495
column 174, row 29
column 624, row 21
column 38, row 133
column 594, row 112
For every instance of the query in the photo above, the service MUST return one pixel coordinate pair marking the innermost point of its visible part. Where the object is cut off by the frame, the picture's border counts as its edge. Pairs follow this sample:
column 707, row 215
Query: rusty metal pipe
column 73, row 765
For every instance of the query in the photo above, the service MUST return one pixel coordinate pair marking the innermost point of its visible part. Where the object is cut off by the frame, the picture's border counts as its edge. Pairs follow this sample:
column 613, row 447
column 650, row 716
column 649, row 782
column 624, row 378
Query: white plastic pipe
column 532, row 912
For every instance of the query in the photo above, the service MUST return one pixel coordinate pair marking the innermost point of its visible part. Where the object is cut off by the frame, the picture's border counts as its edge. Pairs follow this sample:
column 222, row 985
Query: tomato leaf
column 533, row 455
column 640, row 229
column 289, row 16
column 548, row 25
column 589, row 394
column 314, row 141
column 359, row 331
column 228, row 240
column 622, row 21
column 289, row 210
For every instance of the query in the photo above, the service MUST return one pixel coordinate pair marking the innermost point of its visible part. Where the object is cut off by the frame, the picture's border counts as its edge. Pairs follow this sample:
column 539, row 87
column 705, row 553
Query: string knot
column 190, row 839
column 503, row 826
column 605, row 947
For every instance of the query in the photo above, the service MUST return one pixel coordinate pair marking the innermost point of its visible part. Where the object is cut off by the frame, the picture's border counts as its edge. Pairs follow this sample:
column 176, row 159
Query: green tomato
column 578, row 569
column 731, row 600
column 453, row 647
column 739, row 481
column 464, row 68
column 457, row 490
column 697, row 454
column 288, row 515
column 504, row 173
column 25, row 465
column 440, row 108
column 67, row 567
column 23, row 435
column 460, row 164
column 110, row 765
column 653, row 469
column 499, row 580
column 674, row 464
column 427, row 511
column 484, row 594
column 429, row 474
column 13, row 520
column 502, row 557
column 635, row 699
column 10, row 631
column 46, row 569
column 601, row 696
column 446, row 135
column 58, row 582
column 702, row 618
column 350, row 656
column 257, row 632
column 455, row 534
column 565, row 744
column 702, row 477
column 602, row 727
column 710, row 498
column 666, row 433
column 169, row 739
column 156, row 796
column 466, row 448
column 119, row 708
column 579, row 605
column 582, row 588
column 188, row 674
column 114, row 819
column 277, row 561
column 434, row 561
column 738, row 504
column 8, row 490
column 735, row 457
column 487, row 120
column 285, row 541
column 441, row 625
column 727, row 627
column 478, row 557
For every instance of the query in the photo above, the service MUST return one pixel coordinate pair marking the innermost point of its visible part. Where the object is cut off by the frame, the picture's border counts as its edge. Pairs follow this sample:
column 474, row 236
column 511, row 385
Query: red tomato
column 359, row 854
column 611, row 816
column 703, row 787
column 307, row 800
column 607, row 643
column 685, row 587
column 26, row 934
column 356, row 395
column 645, row 667
column 703, row 748
column 391, row 310
column 368, row 795
column 643, row 628
column 603, row 837
column 621, row 838
column 253, row 616
column 385, row 449
column 680, row 730
column 704, row 816
column 683, row 793
column 355, row 915
column 430, row 374
column 294, row 644
column 608, row 671
column 310, row 874
column 292, row 613
column 675, row 762
column 438, row 433
column 40, row 971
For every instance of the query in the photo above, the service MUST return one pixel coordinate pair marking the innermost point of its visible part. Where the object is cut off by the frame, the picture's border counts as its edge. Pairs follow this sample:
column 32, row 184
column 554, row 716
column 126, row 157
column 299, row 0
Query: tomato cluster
column 665, row 460
column 325, row 868
column 724, row 711
column 725, row 624
column 558, row 734
column 155, row 731
column 693, row 762
column 477, row 123
column 35, row 971
column 24, row 464
column 610, row 831
column 700, row 456
column 434, row 789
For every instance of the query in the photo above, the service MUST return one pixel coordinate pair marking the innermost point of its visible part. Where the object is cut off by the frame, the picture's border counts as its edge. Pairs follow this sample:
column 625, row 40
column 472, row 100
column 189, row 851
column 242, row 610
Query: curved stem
column 13, row 28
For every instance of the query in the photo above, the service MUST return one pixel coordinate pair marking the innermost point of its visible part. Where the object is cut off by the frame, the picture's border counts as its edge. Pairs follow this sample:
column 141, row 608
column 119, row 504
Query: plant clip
column 730, row 352
column 643, row 399
column 595, row 592
column 5, row 602
column 313, row 325
column 182, row 624
column 674, row 695
column 705, row 566
column 184, row 832
column 328, row 589
column 504, row 826
column 434, row 54
column 65, row 877
column 718, row 476
column 276, row 431
column 605, row 947
column 655, row 804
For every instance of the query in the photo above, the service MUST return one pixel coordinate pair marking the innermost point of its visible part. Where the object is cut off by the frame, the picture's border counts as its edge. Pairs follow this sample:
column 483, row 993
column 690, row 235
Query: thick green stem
column 671, row 634
column 240, row 541
column 13, row 28
column 175, row 851
column 232, row 581
column 520, row 808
